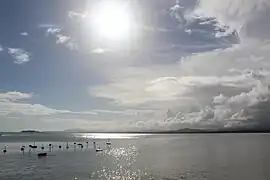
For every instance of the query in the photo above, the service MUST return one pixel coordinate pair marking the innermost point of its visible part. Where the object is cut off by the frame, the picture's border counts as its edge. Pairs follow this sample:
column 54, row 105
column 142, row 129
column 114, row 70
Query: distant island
column 29, row 131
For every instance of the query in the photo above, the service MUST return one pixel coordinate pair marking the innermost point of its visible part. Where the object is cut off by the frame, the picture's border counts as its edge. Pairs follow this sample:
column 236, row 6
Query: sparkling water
column 136, row 156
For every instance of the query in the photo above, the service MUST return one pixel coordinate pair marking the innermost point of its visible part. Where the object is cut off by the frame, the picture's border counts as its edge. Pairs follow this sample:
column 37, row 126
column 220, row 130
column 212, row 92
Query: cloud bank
column 227, row 87
column 207, row 62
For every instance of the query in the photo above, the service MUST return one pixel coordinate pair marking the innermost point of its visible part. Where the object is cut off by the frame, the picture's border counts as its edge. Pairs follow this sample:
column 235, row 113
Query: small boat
column 42, row 154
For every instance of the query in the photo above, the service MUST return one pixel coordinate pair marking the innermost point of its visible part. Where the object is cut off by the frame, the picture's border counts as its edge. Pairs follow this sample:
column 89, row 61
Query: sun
column 112, row 19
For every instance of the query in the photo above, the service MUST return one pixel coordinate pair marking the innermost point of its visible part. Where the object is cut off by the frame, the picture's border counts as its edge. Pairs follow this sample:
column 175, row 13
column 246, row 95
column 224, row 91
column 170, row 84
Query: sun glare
column 112, row 20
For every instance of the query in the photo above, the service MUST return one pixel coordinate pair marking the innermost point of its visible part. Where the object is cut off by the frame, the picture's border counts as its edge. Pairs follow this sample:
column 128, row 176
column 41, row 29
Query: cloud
column 14, row 96
column 53, row 31
column 137, row 89
column 62, row 39
column 221, row 88
column 16, row 103
column 17, row 111
column 247, row 17
column 100, row 51
column 76, row 16
column 67, row 41
column 20, row 55
column 177, row 12
column 72, row 45
column 24, row 34
column 191, row 62
column 1, row 48
column 230, row 111
column 47, row 26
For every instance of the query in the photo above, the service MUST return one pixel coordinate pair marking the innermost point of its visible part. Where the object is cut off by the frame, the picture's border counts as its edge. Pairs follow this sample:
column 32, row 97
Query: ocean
column 136, row 156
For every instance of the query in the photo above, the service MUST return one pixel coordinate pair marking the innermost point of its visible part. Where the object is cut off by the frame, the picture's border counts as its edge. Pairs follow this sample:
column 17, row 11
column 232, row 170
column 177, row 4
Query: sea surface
column 136, row 156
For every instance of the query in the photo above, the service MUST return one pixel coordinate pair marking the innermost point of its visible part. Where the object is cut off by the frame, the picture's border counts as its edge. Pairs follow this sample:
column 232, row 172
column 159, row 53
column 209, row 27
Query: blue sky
column 203, row 61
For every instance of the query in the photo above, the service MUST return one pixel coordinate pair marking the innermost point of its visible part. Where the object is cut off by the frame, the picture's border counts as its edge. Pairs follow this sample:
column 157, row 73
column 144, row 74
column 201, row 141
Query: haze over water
column 135, row 156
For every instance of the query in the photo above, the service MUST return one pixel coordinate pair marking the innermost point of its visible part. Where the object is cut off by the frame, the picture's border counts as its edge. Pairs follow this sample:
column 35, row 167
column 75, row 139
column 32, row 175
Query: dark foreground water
column 186, row 157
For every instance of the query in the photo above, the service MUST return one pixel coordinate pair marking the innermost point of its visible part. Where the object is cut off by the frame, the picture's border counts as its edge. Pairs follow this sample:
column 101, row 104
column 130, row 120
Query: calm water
column 186, row 157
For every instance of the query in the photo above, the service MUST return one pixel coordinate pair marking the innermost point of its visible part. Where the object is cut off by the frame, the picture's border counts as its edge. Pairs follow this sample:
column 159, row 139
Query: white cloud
column 1, row 48
column 249, row 17
column 14, row 96
column 16, row 103
column 20, row 55
column 53, row 31
column 100, row 51
column 224, row 112
column 47, row 25
column 231, row 81
column 177, row 12
column 220, row 99
column 228, row 111
column 77, row 16
column 24, row 33
column 257, row 94
column 139, row 90
column 67, row 41
column 61, row 39
column 16, row 108
column 72, row 45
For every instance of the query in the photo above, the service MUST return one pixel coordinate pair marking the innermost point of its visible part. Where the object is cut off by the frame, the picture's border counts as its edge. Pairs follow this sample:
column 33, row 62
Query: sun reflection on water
column 120, row 165
column 108, row 135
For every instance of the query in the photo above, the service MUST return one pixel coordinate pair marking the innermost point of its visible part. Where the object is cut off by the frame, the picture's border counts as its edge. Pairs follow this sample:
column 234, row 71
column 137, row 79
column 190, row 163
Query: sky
column 115, row 65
